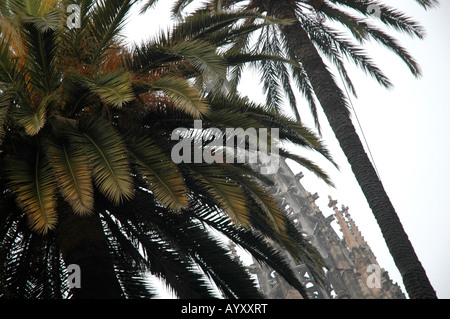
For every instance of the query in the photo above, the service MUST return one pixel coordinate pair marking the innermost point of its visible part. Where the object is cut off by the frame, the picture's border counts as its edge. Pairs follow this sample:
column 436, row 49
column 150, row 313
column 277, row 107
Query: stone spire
column 354, row 229
column 347, row 259
column 358, row 236
column 347, row 233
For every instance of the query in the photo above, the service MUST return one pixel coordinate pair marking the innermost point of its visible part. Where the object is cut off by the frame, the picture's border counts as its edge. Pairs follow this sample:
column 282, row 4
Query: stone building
column 352, row 269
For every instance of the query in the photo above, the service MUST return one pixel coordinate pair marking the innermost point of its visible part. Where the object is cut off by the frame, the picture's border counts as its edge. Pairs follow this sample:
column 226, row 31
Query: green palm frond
column 31, row 180
column 258, row 193
column 161, row 175
column 228, row 195
column 5, row 100
column 428, row 3
column 148, row 5
column 131, row 266
column 183, row 95
column 254, row 240
column 238, row 112
column 335, row 46
column 158, row 255
column 309, row 165
column 106, row 22
column 41, row 45
column 191, row 243
column 388, row 16
column 202, row 24
column 113, row 88
column 393, row 45
column 213, row 259
column 31, row 266
column 107, row 155
column 72, row 171
column 43, row 23
column 33, row 118
column 202, row 57
column 8, row 65
column 3, row 113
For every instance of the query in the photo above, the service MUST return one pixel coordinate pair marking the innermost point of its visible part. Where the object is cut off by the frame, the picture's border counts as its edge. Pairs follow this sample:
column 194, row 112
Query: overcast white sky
column 407, row 129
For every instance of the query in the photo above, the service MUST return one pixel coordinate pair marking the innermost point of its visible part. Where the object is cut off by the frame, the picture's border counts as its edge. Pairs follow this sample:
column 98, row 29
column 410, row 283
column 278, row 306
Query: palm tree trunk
column 83, row 243
column 332, row 101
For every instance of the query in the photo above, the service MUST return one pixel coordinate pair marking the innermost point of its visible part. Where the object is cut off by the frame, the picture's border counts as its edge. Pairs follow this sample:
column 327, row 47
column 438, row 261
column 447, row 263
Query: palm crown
column 85, row 139
column 332, row 26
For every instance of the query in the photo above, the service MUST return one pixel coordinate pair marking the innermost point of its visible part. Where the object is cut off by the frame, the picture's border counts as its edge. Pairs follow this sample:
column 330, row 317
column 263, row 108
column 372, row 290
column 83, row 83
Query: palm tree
column 307, row 37
column 86, row 174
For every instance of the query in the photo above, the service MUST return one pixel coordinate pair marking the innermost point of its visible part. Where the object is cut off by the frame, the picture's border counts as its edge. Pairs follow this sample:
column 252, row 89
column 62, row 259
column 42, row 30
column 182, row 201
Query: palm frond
column 387, row 15
column 201, row 24
column 131, row 266
column 113, row 88
column 259, row 194
column 41, row 44
column 427, row 4
column 228, row 195
column 309, row 165
column 161, row 175
column 252, row 240
column 107, row 155
column 244, row 113
column 31, row 180
column 148, row 5
column 393, row 45
column 107, row 20
column 31, row 266
column 44, row 23
column 33, row 118
column 71, row 169
column 335, row 45
column 8, row 64
column 202, row 57
column 158, row 255
column 182, row 94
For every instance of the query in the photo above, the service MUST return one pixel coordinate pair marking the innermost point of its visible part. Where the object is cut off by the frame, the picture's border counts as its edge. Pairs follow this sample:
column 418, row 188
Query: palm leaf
column 71, row 168
column 388, row 16
column 160, row 173
column 157, row 253
column 107, row 20
column 308, row 164
column 251, row 240
column 107, row 155
column 41, row 48
column 228, row 195
column 7, row 63
column 5, row 100
column 202, row 24
column 254, row 185
column 44, row 23
column 32, row 181
column 113, row 88
column 33, row 119
column 202, row 56
column 428, row 3
column 182, row 94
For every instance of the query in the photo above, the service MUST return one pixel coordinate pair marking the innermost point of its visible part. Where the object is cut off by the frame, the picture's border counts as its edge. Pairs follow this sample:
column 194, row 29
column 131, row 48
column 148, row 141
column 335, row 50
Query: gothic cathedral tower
column 352, row 269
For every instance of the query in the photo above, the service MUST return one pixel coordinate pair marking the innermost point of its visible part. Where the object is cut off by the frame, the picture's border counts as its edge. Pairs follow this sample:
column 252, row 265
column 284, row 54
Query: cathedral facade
column 352, row 269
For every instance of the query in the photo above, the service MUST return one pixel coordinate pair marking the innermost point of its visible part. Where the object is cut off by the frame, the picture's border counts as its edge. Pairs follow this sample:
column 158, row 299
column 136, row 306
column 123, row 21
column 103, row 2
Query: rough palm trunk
column 83, row 243
column 332, row 100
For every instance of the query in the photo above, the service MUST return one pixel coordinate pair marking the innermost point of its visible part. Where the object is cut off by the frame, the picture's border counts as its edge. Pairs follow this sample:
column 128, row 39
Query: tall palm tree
column 86, row 176
column 307, row 38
